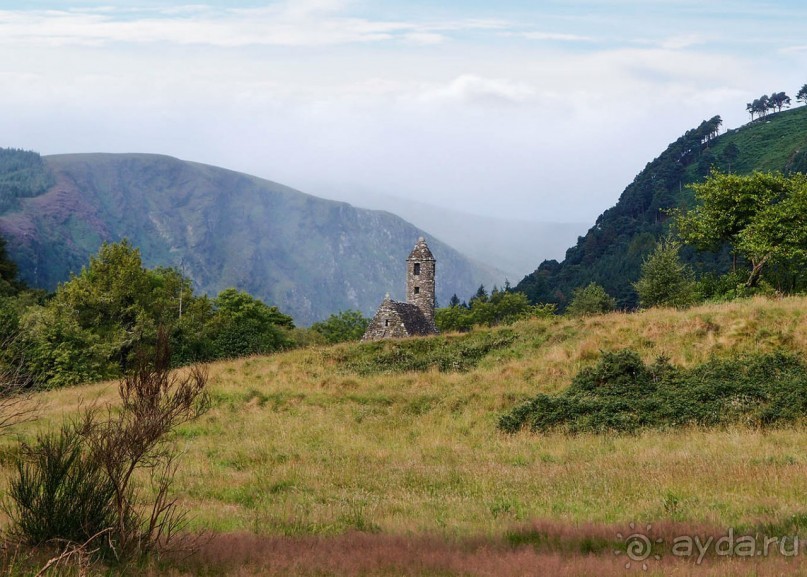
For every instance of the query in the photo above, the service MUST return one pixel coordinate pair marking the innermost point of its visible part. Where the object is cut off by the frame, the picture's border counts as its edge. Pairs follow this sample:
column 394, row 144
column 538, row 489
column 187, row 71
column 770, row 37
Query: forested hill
column 310, row 257
column 612, row 251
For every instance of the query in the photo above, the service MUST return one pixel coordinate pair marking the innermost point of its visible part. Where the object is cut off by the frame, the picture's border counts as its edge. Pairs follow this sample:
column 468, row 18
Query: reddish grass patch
column 540, row 548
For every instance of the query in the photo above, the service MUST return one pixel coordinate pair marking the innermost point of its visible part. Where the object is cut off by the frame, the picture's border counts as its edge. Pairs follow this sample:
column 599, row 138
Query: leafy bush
column 590, row 300
column 422, row 354
column 621, row 393
column 346, row 326
column 243, row 325
column 727, row 287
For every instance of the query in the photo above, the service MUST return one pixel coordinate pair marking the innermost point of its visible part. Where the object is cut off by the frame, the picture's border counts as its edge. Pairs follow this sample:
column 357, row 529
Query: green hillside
column 309, row 256
column 611, row 252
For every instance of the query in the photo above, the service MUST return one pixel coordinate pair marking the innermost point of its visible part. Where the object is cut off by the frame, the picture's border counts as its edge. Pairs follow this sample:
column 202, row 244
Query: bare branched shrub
column 136, row 437
column 16, row 394
column 78, row 554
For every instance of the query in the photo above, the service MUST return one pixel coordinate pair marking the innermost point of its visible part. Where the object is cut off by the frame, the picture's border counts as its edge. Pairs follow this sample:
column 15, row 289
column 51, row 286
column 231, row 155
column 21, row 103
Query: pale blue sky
column 523, row 109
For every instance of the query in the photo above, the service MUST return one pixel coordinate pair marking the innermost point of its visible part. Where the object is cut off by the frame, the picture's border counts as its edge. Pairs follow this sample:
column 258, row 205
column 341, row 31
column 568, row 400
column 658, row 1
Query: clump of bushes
column 59, row 491
column 624, row 394
column 457, row 353
column 501, row 307
column 728, row 287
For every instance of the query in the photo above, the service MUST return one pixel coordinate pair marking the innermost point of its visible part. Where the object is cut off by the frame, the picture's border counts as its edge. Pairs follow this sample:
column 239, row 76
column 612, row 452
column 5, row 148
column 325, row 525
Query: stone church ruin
column 415, row 317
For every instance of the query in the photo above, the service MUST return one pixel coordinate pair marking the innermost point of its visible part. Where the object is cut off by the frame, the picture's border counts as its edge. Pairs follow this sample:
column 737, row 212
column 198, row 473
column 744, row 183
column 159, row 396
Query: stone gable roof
column 421, row 251
column 413, row 318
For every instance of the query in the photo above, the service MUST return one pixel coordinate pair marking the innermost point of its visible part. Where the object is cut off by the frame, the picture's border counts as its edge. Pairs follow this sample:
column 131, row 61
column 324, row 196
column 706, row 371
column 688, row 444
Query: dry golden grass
column 296, row 445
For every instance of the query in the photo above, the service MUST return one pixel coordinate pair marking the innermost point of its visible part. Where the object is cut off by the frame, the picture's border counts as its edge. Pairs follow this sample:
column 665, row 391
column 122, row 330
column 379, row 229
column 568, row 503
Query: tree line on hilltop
column 774, row 103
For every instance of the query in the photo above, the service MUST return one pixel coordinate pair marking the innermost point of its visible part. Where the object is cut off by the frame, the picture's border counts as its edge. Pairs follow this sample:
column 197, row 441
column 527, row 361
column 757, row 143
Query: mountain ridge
column 307, row 255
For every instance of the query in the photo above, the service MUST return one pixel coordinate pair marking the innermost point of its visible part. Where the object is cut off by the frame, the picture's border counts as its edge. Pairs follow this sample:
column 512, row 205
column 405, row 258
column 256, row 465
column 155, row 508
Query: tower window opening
column 417, row 269
column 417, row 290
column 386, row 322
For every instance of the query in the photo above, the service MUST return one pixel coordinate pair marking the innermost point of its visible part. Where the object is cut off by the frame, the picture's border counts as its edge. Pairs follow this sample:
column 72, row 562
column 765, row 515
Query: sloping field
column 313, row 447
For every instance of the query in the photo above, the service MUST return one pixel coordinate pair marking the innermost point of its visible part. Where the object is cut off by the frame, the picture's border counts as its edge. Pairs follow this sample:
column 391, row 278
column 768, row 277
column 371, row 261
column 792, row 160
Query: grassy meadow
column 325, row 461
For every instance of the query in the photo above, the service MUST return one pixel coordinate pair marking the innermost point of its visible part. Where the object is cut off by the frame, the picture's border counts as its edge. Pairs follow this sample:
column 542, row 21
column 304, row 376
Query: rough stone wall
column 420, row 279
column 386, row 324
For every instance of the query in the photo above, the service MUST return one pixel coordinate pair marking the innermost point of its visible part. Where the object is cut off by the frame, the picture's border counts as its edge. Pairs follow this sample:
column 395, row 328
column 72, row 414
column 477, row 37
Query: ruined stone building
column 416, row 316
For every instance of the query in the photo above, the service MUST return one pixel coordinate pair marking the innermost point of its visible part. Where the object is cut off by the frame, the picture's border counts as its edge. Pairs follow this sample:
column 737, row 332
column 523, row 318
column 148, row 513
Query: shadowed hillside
column 611, row 252
column 309, row 256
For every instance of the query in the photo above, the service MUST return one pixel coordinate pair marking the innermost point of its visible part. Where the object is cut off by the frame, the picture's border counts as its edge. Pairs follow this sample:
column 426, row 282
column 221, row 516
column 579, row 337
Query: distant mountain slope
column 612, row 251
column 310, row 256
column 511, row 245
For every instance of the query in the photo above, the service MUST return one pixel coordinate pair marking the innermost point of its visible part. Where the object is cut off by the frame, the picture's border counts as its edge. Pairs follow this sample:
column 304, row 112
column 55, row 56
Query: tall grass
column 302, row 444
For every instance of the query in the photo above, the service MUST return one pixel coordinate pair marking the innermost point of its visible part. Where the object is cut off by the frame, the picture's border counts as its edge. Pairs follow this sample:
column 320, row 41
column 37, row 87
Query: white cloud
column 293, row 23
column 556, row 37
column 425, row 38
column 473, row 89
column 794, row 49
column 681, row 42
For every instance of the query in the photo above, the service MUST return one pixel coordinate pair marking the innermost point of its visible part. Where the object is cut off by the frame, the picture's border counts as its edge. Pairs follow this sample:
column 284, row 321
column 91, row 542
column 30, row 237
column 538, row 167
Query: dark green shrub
column 74, row 485
column 623, row 394
column 59, row 491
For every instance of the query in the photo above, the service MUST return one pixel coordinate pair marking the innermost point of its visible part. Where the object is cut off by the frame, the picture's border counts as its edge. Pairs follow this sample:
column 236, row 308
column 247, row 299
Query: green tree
column 801, row 95
column 117, row 299
column 590, row 300
column 778, row 100
column 91, row 327
column 778, row 233
column 347, row 325
column 56, row 350
column 666, row 281
column 757, row 214
column 480, row 295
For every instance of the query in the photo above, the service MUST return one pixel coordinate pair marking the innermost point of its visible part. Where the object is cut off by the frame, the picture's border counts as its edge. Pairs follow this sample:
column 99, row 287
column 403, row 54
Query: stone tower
column 420, row 267
column 415, row 317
